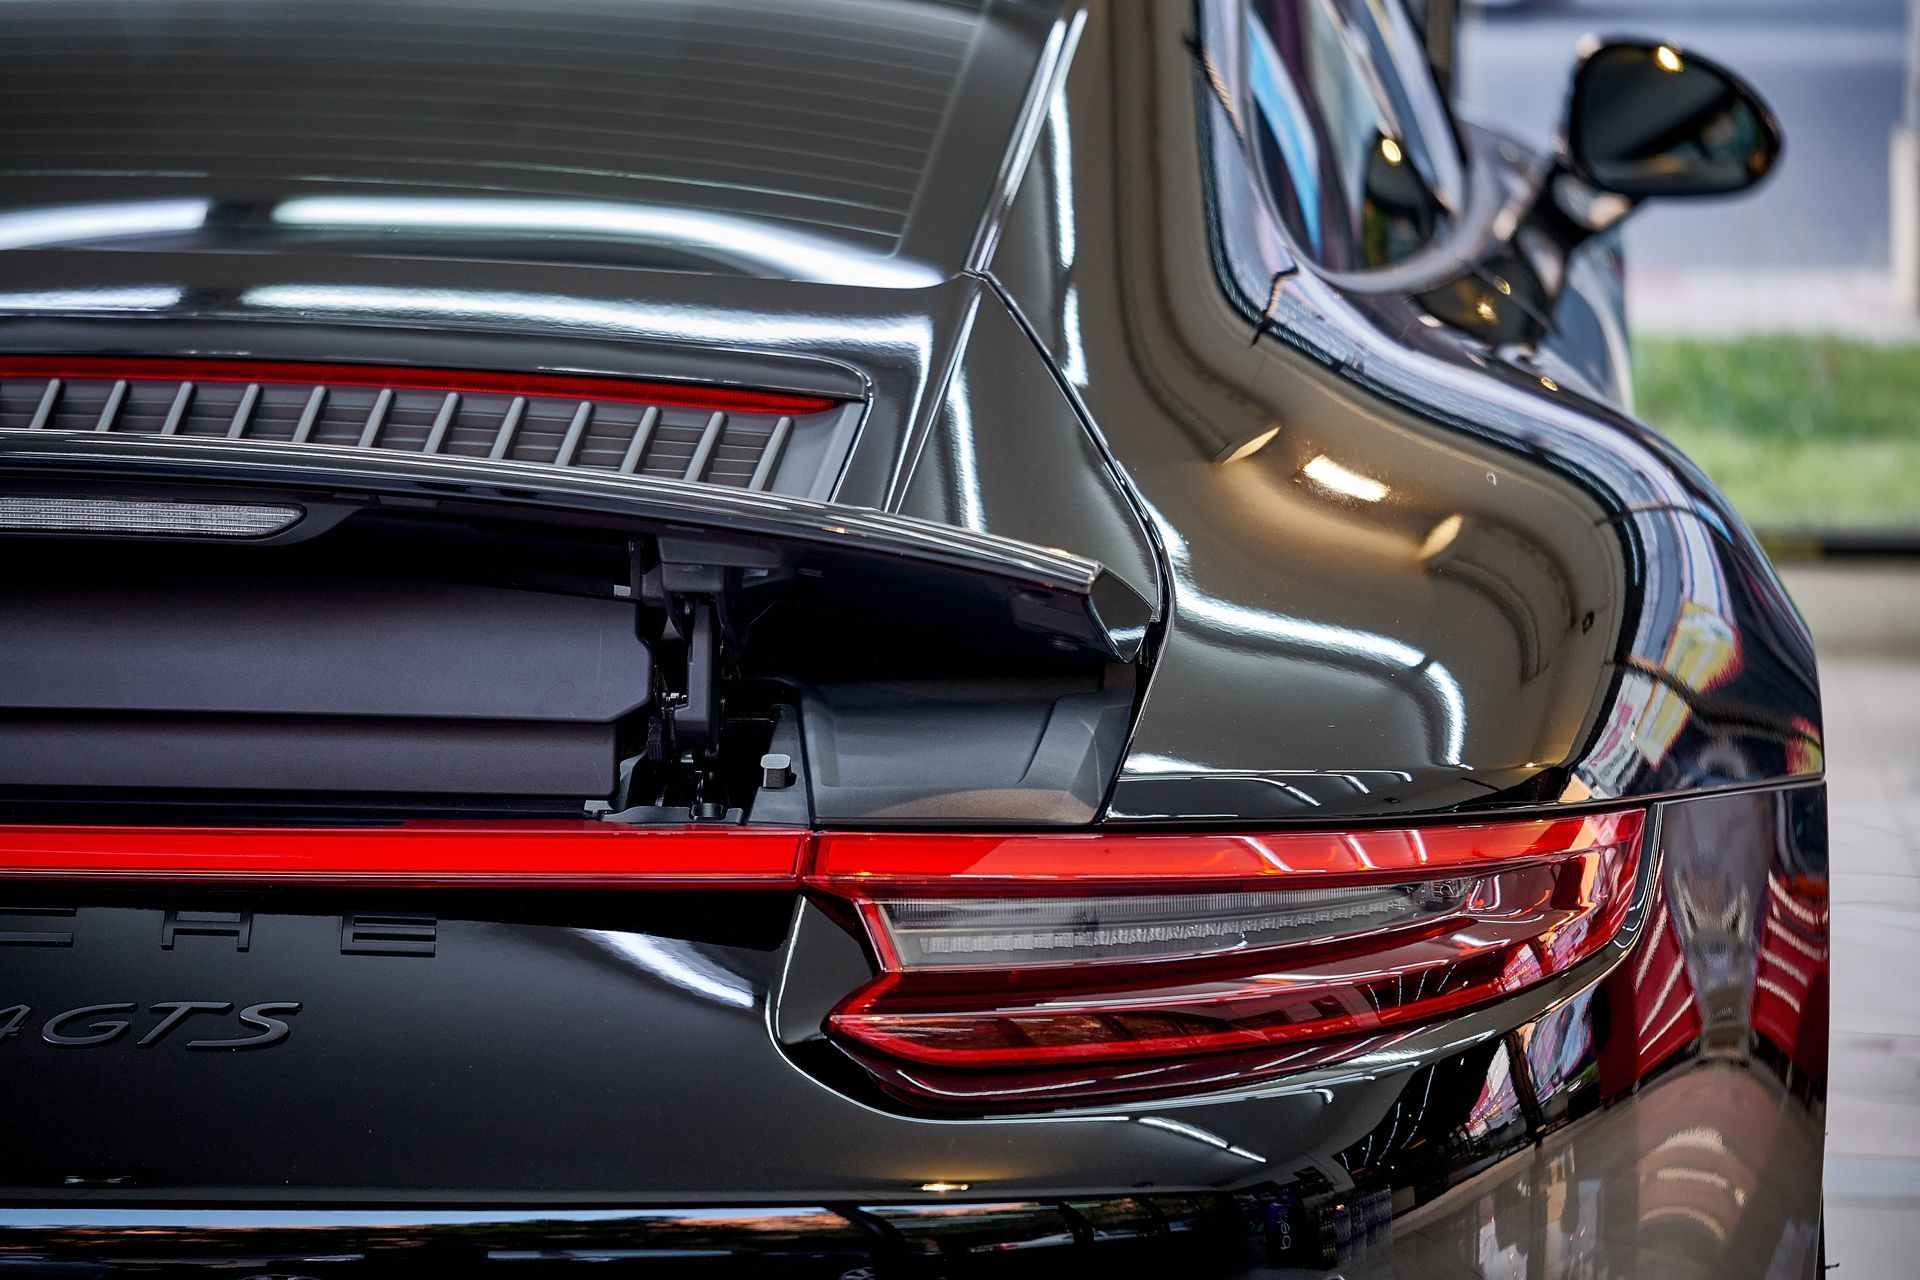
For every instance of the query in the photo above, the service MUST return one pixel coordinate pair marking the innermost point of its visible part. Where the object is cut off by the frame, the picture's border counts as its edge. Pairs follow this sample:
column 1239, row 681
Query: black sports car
column 852, row 639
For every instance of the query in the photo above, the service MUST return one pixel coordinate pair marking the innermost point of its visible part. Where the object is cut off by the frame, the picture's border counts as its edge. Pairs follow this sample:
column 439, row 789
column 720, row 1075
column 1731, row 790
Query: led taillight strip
column 408, row 377
column 1034, row 970
column 851, row 864
column 962, row 863
column 414, row 853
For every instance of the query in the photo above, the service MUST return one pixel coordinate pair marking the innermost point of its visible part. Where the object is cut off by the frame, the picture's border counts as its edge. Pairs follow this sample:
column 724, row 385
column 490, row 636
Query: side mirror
column 1647, row 120
column 1644, row 120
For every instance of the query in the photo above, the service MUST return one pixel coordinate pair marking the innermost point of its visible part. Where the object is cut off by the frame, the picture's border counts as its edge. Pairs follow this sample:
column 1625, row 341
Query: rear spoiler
column 1045, row 589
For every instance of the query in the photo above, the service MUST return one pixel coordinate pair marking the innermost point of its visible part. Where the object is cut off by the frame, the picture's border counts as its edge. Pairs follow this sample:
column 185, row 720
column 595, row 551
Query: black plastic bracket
column 696, row 721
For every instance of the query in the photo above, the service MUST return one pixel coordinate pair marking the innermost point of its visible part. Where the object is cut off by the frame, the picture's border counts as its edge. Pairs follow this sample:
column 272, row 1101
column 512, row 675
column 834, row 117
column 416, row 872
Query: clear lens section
column 936, row 933
column 117, row 515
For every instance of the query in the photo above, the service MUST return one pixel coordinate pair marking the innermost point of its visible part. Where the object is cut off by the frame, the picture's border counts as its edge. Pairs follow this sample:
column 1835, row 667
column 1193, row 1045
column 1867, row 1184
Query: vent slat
column 642, row 436
column 697, row 464
column 376, row 417
column 443, row 423
column 310, row 415
column 770, row 456
column 508, row 425
column 177, row 411
column 575, row 429
column 48, row 401
column 111, row 409
column 244, row 412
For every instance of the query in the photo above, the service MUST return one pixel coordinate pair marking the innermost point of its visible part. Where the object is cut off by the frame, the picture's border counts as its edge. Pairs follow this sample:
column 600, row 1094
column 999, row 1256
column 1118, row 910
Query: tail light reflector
column 1011, row 954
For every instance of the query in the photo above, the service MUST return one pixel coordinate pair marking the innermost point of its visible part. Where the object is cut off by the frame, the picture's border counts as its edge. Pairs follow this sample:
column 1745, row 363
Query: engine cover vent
column 776, row 442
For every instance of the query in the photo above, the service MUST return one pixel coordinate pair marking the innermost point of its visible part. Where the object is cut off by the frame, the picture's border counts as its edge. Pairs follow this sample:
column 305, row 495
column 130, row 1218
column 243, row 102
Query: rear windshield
column 788, row 139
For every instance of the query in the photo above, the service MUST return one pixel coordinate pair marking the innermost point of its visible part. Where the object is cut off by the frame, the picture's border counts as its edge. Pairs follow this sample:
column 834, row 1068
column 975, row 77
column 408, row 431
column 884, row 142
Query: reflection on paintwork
column 1253, row 445
column 1522, row 537
column 1335, row 134
column 1060, row 158
column 1442, row 708
column 57, row 301
column 1328, row 474
column 1441, row 536
column 80, row 223
column 678, row 964
column 633, row 318
column 1673, row 1181
column 1200, row 1135
column 1499, row 1102
column 751, row 245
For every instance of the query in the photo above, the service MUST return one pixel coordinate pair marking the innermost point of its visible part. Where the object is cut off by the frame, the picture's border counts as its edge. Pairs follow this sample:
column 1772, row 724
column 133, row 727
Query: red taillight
column 1021, row 953
column 414, row 853
column 1038, row 969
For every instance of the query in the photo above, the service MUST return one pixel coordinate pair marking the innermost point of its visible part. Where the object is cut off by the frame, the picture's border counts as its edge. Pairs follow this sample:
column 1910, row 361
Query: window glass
column 801, row 139
column 1349, row 129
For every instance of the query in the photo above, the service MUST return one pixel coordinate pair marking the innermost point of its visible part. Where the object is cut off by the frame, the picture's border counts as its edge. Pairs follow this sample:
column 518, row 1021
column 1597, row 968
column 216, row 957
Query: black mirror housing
column 1647, row 119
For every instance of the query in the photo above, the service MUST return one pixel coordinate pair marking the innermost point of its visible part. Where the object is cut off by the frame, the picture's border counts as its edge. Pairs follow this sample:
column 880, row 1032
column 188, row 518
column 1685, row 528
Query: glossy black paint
column 1543, row 606
column 1311, row 656
column 1645, row 120
column 1537, row 584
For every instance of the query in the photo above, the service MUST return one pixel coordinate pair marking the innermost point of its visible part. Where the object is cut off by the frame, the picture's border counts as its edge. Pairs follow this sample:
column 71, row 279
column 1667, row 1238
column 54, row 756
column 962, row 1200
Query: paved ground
column 1866, row 621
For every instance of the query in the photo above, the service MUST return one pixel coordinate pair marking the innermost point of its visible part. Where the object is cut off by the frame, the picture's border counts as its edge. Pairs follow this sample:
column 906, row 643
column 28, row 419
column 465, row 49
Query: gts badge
column 165, row 1021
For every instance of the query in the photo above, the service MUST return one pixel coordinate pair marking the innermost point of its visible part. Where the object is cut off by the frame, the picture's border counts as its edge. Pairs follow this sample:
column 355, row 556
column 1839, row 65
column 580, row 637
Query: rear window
column 789, row 139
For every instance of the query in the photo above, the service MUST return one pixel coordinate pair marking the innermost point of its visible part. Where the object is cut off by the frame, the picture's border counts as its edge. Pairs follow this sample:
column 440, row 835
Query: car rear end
column 513, row 879
column 413, row 857
column 578, row 693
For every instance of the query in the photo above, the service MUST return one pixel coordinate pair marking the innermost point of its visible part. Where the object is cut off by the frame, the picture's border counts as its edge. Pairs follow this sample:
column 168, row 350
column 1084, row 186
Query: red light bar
column 940, row 863
column 414, row 853
column 468, row 381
